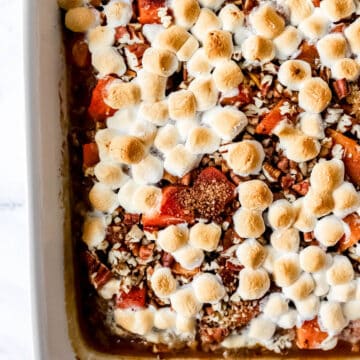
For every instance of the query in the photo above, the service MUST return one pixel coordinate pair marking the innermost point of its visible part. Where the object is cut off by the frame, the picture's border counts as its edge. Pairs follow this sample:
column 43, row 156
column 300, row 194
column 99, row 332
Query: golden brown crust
column 127, row 149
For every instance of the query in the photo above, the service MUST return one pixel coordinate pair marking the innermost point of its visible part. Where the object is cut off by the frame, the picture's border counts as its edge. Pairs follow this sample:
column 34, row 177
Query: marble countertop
column 15, row 324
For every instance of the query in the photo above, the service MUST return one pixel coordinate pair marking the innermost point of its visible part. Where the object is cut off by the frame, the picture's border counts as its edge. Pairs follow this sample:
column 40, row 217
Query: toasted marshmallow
column 345, row 68
column 329, row 230
column 257, row 48
column 327, row 175
column 164, row 319
column 118, row 13
column 311, row 125
column 218, row 46
column 315, row 26
column 281, row 214
column 108, row 290
column 251, row 254
column 146, row 199
column 293, row 73
column 301, row 148
column 267, row 22
column 110, row 174
column 340, row 272
column 342, row 293
column 305, row 221
column 248, row 223
column 184, row 302
column 288, row 320
column 173, row 237
column 205, row 92
column 227, row 122
column 185, row 12
column 208, row 288
column 184, row 127
column 331, row 47
column 152, row 86
column 94, row 231
column 125, row 195
column 312, row 259
column 286, row 270
column 212, row 4
column 227, row 76
column 100, row 37
column 122, row 120
column 261, row 329
column 166, row 138
column 245, row 157
column 144, row 131
column 126, row 149
column 172, row 39
column 318, row 203
column 152, row 31
column 352, row 310
column 299, row 10
column 308, row 308
column 125, row 319
column 189, row 257
column 206, row 21
column 102, row 198
column 285, row 240
column 148, row 171
column 199, row 64
column 255, row 195
column 321, row 285
column 156, row 113
column 352, row 33
column 336, row 10
column 231, row 17
column 271, row 256
column 185, row 325
column 143, row 321
column 80, row 19
column 287, row 42
column 346, row 199
column 69, row 4
column 301, row 288
column 205, row 236
column 202, row 140
column 159, row 61
column 331, row 317
column 275, row 306
column 119, row 95
column 182, row 105
column 188, row 49
column 163, row 282
column 253, row 284
column 179, row 161
column 108, row 61
column 314, row 95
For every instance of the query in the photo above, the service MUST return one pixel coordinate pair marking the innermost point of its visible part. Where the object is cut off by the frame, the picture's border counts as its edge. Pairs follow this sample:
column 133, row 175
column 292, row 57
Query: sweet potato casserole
column 215, row 165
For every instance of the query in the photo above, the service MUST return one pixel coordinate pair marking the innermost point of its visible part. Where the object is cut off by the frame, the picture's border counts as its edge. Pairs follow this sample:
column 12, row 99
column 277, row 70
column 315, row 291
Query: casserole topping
column 220, row 170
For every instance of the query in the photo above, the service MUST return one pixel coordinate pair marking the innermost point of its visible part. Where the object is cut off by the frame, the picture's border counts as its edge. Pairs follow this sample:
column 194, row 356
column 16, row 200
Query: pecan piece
column 302, row 187
column 341, row 88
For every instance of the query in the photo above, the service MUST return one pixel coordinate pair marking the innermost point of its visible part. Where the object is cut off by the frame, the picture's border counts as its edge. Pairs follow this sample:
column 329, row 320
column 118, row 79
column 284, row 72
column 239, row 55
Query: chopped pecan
column 308, row 52
column 241, row 99
column 283, row 164
column 287, row 181
column 341, row 88
column 167, row 259
column 101, row 276
column 131, row 219
column 177, row 269
column 309, row 236
column 214, row 335
column 339, row 28
column 146, row 251
column 302, row 187
column 249, row 5
column 271, row 173
column 80, row 53
column 134, row 54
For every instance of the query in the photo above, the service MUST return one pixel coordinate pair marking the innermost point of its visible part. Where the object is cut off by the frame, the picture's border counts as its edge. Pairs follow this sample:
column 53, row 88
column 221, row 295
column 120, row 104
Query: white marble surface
column 15, row 326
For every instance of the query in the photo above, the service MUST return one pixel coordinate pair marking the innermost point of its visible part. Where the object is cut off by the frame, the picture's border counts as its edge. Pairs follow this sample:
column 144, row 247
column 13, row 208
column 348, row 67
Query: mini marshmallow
column 271, row 256
column 119, row 95
column 321, row 285
column 255, row 195
column 340, row 272
column 172, row 38
column 287, row 42
column 287, row 320
column 108, row 290
column 293, row 73
column 126, row 149
column 331, row 317
column 208, row 288
column 227, row 122
column 80, row 19
column 299, row 10
column 346, row 199
column 148, row 171
column 352, row 33
column 336, row 10
column 125, row 319
column 351, row 310
column 301, row 148
column 122, row 120
column 102, row 198
column 218, row 46
column 281, row 214
column 185, row 325
column 146, row 199
column 108, row 61
column 227, row 76
column 159, row 61
column 144, row 131
column 212, row 4
column 164, row 319
column 188, row 49
column 205, row 92
column 329, row 230
column 301, row 288
column 305, row 221
column 173, row 237
column 143, row 321
column 318, row 202
column 166, row 138
column 205, row 236
column 184, row 127
column 267, row 22
column 152, row 31
column 179, row 161
column 315, row 26
column 331, row 47
column 202, row 140
column 261, row 329
column 245, row 157
column 311, row 125
column 125, row 195
column 275, row 306
column 100, row 37
column 156, row 113
column 253, row 284
column 162, row 282
column 189, row 257
column 206, row 22
column 152, row 86
column 231, row 17
column 198, row 64
column 308, row 308
column 312, row 259
column 286, row 270
column 257, row 48
column 314, row 95
column 185, row 12
column 248, row 223
column 251, row 254
column 118, row 13
column 285, row 240
column 110, row 174
column 94, row 231
column 182, row 105
column 345, row 68
column 342, row 293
